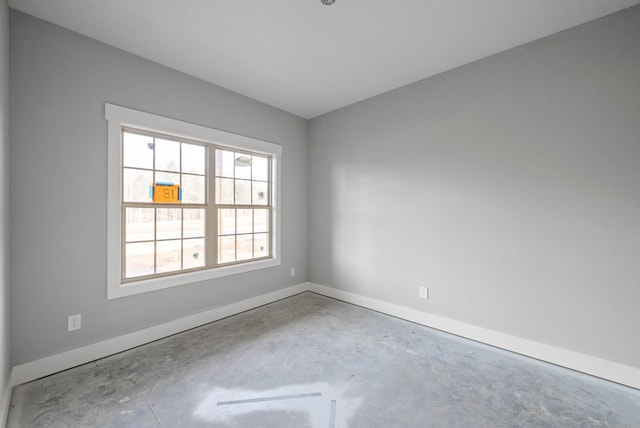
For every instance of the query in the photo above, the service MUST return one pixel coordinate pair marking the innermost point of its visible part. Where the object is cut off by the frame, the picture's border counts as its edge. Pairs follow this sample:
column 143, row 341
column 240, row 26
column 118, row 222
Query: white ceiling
column 307, row 58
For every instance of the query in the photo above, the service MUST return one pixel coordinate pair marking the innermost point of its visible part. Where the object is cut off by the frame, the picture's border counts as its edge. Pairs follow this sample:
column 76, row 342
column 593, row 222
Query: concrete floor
column 310, row 361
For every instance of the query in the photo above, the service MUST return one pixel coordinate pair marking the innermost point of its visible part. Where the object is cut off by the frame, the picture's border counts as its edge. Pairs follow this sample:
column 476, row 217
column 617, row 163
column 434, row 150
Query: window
column 186, row 203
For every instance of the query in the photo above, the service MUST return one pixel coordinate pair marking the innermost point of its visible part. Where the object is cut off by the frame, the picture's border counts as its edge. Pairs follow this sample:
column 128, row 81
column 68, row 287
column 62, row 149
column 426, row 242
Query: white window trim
column 117, row 117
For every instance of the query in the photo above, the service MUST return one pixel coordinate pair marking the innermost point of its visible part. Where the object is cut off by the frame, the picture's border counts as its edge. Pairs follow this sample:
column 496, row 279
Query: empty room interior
column 317, row 213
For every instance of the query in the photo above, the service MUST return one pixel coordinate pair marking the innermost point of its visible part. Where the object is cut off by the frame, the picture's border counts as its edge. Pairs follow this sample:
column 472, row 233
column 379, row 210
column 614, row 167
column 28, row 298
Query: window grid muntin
column 210, row 207
column 253, row 232
column 267, row 206
column 181, row 207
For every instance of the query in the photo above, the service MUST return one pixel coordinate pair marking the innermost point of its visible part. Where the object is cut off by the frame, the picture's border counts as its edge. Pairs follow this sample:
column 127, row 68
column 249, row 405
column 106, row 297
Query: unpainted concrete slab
column 310, row 361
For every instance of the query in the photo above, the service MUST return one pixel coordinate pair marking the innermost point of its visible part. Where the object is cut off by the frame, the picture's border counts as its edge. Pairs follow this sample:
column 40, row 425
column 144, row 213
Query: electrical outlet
column 424, row 293
column 74, row 322
column 292, row 271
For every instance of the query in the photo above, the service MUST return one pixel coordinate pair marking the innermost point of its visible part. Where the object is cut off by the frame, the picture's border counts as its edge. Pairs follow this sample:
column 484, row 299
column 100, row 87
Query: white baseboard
column 605, row 369
column 75, row 357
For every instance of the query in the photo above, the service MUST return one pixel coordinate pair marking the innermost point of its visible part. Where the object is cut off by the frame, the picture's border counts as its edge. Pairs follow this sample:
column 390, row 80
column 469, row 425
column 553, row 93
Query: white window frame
column 118, row 117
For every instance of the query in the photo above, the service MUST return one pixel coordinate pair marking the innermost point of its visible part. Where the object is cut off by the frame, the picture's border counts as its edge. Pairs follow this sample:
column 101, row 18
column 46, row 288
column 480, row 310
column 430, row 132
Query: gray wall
column 509, row 187
column 60, row 82
column 4, row 205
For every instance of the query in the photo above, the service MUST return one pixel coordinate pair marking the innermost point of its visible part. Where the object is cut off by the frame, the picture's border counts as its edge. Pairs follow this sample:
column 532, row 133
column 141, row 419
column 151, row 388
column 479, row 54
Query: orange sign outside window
column 167, row 193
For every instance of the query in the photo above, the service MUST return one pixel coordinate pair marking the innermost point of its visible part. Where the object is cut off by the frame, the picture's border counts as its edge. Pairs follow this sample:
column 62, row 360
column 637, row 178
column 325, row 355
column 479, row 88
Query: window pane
column 193, row 157
column 168, row 223
column 260, row 168
column 193, row 253
column 224, row 191
column 166, row 238
column 260, row 245
column 167, row 155
column 193, row 223
column 243, row 192
column 245, row 221
column 226, row 249
column 139, row 224
column 242, row 163
column 224, row 163
column 139, row 259
column 135, row 186
column 167, row 177
column 260, row 193
column 168, row 255
column 193, row 189
column 226, row 221
column 137, row 150
column 244, row 247
column 260, row 220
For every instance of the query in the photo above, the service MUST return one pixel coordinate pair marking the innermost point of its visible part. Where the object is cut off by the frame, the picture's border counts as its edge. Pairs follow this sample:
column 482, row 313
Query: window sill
column 117, row 290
